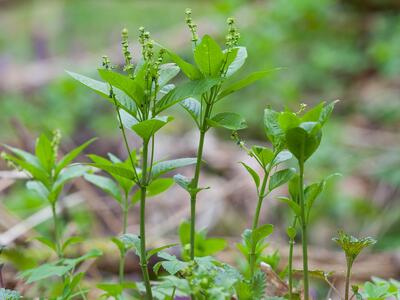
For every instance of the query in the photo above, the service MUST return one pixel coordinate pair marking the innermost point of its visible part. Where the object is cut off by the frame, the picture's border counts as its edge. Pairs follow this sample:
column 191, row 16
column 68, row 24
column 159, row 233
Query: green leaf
column 47, row 242
column 184, row 91
column 302, row 143
column 240, row 55
column 70, row 156
column 293, row 205
column 193, row 107
column 44, row 271
column 71, row 241
column 228, row 120
column 171, row 264
column 116, row 289
column 154, row 251
column 261, row 233
column 166, row 166
column 293, row 187
column 183, row 181
column 39, row 188
column 313, row 114
column 212, row 246
column 167, row 72
column 244, row 83
column 208, row 56
column 124, row 83
column 146, row 129
column 103, row 89
column 252, row 173
column 115, row 170
column 288, row 120
column 106, row 184
column 281, row 177
column 281, row 157
column 265, row 155
column 36, row 172
column 184, row 233
column 9, row 294
column 326, row 112
column 156, row 187
column 188, row 69
column 274, row 132
column 131, row 241
column 68, row 174
column 45, row 152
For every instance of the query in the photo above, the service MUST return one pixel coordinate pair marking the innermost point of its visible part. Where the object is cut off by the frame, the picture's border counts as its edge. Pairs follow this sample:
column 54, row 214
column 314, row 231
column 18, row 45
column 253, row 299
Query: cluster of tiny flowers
column 55, row 142
column 128, row 67
column 192, row 26
column 147, row 44
column 106, row 62
column 351, row 245
column 302, row 108
column 233, row 36
column 158, row 63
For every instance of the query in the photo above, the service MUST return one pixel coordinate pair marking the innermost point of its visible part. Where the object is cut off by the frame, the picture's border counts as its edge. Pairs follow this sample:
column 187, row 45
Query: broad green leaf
column 281, row 177
column 281, row 157
column 127, row 119
column 253, row 174
column 71, row 241
column 274, row 132
column 47, row 242
column 293, row 205
column 163, row 167
column 45, row 152
column 124, row 83
column 293, row 187
column 44, row 271
column 244, row 82
column 156, row 187
column 69, row 173
column 184, row 233
column 171, row 264
column 7, row 294
column 167, row 72
column 106, row 184
column 193, row 107
column 70, row 156
column 37, row 173
column 188, row 69
column 26, row 156
column 313, row 114
column 188, row 89
column 228, row 120
column 288, row 120
column 146, row 129
column 264, row 155
column 326, row 112
column 240, row 55
column 116, row 289
column 208, row 57
column 212, row 246
column 103, row 89
column 301, row 143
column 39, row 188
column 154, row 251
column 131, row 241
column 261, row 233
column 183, row 181
column 115, row 170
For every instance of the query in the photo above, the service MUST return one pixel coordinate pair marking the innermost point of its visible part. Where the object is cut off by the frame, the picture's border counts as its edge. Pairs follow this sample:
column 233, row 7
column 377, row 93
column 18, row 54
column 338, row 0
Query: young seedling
column 48, row 175
column 139, row 98
column 214, row 67
column 268, row 159
column 301, row 134
column 352, row 247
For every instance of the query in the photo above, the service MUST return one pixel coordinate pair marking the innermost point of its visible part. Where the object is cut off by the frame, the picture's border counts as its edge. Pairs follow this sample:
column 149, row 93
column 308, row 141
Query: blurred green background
column 330, row 49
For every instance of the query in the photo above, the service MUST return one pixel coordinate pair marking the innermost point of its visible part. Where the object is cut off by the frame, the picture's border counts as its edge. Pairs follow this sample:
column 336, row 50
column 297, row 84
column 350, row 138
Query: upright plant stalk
column 57, row 240
column 124, row 231
column 143, row 191
column 304, row 236
column 195, row 182
column 290, row 264
column 348, row 275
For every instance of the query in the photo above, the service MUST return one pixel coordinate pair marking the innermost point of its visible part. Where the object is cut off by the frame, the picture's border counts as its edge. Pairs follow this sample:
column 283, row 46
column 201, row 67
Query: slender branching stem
column 304, row 231
column 143, row 191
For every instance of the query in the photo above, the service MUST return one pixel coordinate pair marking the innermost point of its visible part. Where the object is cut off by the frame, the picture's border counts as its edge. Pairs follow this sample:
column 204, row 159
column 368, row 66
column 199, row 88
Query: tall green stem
column 290, row 264
column 143, row 191
column 304, row 231
column 195, row 182
column 261, row 196
column 125, row 209
column 57, row 239
column 348, row 275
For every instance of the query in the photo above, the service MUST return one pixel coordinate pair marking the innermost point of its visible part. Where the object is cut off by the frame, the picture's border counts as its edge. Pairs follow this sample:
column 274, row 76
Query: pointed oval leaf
column 106, row 184
column 252, row 173
column 301, row 143
column 163, row 167
column 240, row 55
column 280, row 178
column 208, row 57
column 228, row 120
column 146, row 129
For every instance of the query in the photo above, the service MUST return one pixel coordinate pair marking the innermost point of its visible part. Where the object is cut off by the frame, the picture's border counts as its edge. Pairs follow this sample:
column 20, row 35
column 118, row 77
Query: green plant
column 215, row 66
column 378, row 289
column 352, row 247
column 48, row 174
column 9, row 294
column 139, row 98
column 301, row 134
column 268, row 160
